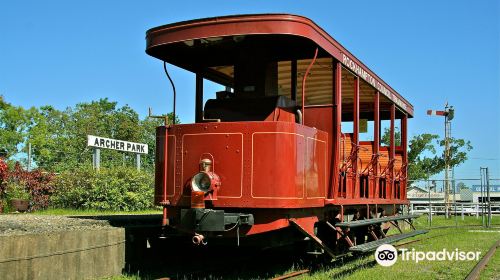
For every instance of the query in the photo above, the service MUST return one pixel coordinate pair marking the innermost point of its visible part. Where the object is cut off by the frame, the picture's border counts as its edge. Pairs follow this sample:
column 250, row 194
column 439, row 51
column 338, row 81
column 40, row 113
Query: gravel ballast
column 20, row 224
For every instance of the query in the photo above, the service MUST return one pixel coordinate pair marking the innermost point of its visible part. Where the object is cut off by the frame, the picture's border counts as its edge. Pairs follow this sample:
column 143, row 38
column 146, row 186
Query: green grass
column 440, row 221
column 492, row 270
column 76, row 212
column 461, row 238
column 467, row 237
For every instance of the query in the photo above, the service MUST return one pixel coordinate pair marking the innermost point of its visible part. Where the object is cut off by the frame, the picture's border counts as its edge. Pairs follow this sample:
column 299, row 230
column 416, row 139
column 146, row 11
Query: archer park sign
column 119, row 145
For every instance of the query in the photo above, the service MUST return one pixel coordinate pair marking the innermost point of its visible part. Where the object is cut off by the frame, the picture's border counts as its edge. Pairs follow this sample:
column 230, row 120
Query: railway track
column 476, row 271
column 292, row 274
column 271, row 260
column 420, row 239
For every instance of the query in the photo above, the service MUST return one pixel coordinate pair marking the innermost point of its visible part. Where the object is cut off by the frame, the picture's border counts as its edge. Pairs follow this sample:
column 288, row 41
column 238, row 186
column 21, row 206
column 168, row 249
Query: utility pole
column 430, row 203
column 454, row 195
column 29, row 157
column 488, row 195
column 488, row 198
column 480, row 201
column 485, row 201
column 448, row 115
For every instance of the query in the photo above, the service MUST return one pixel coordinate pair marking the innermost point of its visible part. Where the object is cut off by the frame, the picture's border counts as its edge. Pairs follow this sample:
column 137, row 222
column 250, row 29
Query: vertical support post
column 293, row 80
column 29, row 157
column 138, row 161
column 403, row 185
column 337, row 129
column 488, row 196
column 376, row 141
column 165, row 201
column 454, row 196
column 392, row 152
column 97, row 159
column 430, row 203
column 481, row 198
column 447, row 165
column 462, row 209
column 199, row 98
column 355, row 139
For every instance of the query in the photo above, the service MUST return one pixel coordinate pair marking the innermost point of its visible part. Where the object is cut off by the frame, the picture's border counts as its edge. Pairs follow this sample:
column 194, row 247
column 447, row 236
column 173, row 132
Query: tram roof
column 297, row 35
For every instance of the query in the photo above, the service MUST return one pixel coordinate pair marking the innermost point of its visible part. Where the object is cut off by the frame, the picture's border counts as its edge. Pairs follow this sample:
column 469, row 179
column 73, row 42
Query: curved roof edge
column 271, row 24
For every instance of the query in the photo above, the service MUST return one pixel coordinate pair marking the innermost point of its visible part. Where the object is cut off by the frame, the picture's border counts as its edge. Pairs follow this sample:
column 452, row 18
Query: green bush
column 116, row 189
column 16, row 190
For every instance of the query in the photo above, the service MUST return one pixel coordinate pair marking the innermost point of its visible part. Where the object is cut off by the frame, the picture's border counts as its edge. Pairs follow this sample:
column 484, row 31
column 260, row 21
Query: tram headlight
column 204, row 184
column 201, row 182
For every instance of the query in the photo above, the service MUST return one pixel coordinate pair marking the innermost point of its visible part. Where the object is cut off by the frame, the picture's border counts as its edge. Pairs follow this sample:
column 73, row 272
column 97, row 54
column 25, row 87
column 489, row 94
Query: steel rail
column 420, row 239
column 291, row 274
column 476, row 271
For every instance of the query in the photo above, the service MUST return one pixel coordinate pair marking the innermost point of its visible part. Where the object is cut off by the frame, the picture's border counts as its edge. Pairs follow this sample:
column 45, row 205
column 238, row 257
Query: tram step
column 366, row 247
column 366, row 222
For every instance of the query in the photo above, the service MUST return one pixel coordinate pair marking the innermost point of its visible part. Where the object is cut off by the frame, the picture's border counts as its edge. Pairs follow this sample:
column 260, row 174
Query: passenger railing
column 369, row 169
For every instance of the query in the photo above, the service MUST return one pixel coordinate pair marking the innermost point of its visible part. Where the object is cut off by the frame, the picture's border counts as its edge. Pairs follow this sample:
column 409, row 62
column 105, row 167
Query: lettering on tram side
column 119, row 145
column 358, row 70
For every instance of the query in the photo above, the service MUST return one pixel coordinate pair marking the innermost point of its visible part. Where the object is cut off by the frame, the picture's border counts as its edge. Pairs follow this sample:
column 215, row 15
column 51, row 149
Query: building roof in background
column 493, row 188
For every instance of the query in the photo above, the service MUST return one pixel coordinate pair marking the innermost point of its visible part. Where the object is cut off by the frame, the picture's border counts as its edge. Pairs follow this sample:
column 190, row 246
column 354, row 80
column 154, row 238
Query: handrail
column 400, row 173
column 390, row 165
column 304, row 84
column 372, row 163
column 348, row 163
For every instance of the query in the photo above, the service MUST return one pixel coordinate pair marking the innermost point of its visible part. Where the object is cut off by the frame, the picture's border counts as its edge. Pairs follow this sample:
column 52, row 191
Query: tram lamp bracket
column 451, row 113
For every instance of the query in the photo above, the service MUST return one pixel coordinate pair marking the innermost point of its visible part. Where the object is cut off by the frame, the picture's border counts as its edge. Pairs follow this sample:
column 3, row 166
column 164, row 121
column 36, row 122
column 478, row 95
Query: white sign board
column 119, row 145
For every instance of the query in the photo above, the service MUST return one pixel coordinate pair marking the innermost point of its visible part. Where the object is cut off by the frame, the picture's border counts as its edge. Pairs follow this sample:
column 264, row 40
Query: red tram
column 291, row 147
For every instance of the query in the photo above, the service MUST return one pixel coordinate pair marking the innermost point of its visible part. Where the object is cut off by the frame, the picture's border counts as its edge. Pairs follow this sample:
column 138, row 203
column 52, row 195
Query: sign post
column 96, row 159
column 138, row 161
column 118, row 145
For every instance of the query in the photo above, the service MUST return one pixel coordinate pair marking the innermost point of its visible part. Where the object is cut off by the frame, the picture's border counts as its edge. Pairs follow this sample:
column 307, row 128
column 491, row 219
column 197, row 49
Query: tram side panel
column 260, row 164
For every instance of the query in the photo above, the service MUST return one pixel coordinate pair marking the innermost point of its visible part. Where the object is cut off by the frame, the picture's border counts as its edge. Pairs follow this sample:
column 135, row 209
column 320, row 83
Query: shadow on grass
column 342, row 267
column 149, row 257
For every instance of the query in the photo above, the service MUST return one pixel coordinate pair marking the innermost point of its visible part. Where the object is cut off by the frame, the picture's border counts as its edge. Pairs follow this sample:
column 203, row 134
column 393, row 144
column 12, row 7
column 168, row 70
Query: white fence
column 462, row 209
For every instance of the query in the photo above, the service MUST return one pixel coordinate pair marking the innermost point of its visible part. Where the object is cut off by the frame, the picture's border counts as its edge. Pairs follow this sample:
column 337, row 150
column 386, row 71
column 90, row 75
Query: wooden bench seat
column 366, row 222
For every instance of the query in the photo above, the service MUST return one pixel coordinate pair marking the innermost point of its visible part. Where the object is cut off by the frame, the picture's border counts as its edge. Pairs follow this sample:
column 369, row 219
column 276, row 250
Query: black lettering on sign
column 96, row 142
column 142, row 148
column 128, row 146
column 107, row 143
column 113, row 144
column 101, row 142
column 122, row 145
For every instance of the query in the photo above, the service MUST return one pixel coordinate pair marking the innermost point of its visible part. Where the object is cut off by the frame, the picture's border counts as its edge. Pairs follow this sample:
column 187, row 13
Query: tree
column 14, row 122
column 59, row 138
column 49, row 137
column 461, row 186
column 420, row 166
column 148, row 136
column 423, row 159
column 386, row 137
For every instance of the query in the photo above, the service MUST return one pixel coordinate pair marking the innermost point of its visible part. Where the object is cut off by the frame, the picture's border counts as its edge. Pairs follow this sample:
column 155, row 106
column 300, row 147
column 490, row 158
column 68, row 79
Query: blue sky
column 432, row 52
